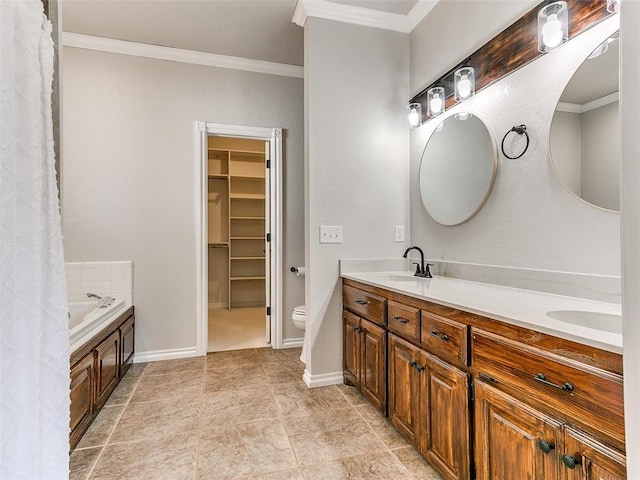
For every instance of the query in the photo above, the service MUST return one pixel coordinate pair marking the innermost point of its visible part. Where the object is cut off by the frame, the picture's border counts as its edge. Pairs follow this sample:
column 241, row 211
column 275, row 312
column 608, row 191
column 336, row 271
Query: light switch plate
column 399, row 233
column 330, row 234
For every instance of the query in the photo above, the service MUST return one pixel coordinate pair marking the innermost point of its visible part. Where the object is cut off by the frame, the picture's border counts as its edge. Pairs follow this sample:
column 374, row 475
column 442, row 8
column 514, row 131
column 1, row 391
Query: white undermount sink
column 607, row 322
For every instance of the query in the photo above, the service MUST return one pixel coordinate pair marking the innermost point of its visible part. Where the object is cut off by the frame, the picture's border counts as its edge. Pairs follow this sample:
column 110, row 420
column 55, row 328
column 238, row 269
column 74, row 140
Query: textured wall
column 356, row 163
column 129, row 174
column 630, row 183
column 530, row 219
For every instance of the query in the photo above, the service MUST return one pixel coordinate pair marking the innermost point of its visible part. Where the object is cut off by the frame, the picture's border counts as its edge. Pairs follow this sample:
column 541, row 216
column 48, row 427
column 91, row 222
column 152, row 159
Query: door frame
column 274, row 137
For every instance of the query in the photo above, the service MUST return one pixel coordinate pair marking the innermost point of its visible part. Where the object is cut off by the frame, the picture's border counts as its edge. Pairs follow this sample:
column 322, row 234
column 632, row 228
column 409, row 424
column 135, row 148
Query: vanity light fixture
column 553, row 26
column 435, row 101
column 463, row 116
column 415, row 115
column 464, row 81
column 613, row 6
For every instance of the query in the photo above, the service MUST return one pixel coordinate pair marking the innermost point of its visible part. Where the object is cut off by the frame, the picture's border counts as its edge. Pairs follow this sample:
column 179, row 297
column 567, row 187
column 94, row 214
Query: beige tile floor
column 238, row 328
column 243, row 414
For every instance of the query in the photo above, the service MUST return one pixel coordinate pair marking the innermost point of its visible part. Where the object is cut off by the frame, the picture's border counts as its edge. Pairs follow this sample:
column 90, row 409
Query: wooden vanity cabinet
column 96, row 369
column 107, row 357
column 507, row 438
column 82, row 403
column 404, row 386
column 127, row 345
column 364, row 358
column 428, row 404
column 484, row 399
column 561, row 417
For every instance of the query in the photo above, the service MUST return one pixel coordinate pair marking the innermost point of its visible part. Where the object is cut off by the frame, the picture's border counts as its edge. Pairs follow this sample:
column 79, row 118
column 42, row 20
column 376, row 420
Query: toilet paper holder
column 299, row 271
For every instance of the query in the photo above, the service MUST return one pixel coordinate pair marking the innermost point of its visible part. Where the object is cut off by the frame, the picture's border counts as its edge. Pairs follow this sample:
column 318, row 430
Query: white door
column 267, row 240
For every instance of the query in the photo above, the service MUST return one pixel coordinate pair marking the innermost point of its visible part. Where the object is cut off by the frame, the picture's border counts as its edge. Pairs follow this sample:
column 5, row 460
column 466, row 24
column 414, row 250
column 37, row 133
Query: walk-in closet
column 237, row 250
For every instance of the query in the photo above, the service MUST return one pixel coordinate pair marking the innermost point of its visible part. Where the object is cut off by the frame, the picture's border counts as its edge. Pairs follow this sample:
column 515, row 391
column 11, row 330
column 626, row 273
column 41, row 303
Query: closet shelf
column 248, row 258
column 258, row 177
column 248, row 238
column 247, row 278
column 218, row 244
column 247, row 218
column 247, row 196
column 218, row 175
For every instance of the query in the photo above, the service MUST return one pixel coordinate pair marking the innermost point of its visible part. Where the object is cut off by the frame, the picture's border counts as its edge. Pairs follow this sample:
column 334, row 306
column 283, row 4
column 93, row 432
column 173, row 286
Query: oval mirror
column 457, row 170
column 585, row 132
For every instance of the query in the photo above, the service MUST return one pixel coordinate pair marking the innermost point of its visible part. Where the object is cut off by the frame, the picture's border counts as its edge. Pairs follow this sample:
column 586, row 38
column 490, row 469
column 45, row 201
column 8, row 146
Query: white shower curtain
column 34, row 338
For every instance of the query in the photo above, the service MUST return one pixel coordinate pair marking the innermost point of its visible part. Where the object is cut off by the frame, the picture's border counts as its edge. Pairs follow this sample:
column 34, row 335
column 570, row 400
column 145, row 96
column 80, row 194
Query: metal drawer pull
column 545, row 446
column 419, row 368
column 441, row 336
column 400, row 319
column 570, row 461
column 487, row 378
column 361, row 302
column 567, row 387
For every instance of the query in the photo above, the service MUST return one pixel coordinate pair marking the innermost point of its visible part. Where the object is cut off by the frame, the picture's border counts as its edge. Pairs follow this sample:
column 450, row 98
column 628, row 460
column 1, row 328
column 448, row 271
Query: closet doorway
column 240, row 254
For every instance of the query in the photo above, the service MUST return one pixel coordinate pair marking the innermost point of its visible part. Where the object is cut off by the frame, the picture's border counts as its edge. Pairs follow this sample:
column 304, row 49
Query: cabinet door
column 127, row 342
column 373, row 364
column 82, row 404
column 107, row 358
column 403, row 405
column 443, row 416
column 351, row 348
column 584, row 458
column 513, row 440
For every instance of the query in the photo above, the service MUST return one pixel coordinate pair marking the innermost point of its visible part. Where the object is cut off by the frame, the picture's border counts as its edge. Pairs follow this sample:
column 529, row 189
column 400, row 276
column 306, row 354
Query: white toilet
column 298, row 317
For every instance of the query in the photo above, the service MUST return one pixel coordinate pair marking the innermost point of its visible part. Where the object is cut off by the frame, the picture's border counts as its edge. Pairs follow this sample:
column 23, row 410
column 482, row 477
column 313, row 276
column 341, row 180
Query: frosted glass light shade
column 553, row 26
column 415, row 115
column 613, row 6
column 435, row 101
column 464, row 81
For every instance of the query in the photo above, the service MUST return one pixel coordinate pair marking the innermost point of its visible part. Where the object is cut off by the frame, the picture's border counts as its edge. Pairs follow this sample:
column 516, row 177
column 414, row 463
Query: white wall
column 601, row 156
column 356, row 90
column 565, row 144
column 530, row 219
column 630, row 183
column 453, row 30
column 130, row 178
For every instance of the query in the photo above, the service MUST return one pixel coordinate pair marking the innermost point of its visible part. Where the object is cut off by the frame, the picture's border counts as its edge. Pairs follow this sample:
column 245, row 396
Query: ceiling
column 253, row 29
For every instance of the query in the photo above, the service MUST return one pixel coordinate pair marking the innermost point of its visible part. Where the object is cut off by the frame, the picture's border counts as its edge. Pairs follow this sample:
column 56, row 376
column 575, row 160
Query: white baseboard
column 218, row 305
column 158, row 355
column 323, row 379
column 292, row 342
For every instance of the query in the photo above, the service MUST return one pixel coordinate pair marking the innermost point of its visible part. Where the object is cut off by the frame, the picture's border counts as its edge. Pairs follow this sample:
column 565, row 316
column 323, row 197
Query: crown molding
column 158, row 52
column 586, row 107
column 362, row 16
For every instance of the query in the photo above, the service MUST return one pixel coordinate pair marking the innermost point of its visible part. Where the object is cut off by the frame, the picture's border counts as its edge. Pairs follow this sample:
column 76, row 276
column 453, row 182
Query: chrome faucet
column 103, row 302
column 422, row 269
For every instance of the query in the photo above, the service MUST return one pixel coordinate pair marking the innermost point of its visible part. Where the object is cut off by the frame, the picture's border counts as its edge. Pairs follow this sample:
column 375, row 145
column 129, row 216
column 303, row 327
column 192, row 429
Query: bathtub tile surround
column 102, row 278
column 290, row 432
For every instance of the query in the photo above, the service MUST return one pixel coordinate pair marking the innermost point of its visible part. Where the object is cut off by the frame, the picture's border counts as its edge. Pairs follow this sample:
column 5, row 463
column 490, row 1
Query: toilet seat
column 300, row 310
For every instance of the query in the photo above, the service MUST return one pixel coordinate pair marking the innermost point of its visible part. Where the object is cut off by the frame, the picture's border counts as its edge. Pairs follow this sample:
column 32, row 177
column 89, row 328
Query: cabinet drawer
column 365, row 304
column 569, row 389
column 404, row 320
column 443, row 337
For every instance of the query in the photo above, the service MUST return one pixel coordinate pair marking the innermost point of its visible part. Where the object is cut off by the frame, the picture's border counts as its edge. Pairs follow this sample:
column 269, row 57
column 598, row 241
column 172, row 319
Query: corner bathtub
column 86, row 320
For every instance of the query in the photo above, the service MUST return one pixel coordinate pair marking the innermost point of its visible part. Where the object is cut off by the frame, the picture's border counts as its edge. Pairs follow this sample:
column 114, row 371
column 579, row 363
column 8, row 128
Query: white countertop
column 516, row 306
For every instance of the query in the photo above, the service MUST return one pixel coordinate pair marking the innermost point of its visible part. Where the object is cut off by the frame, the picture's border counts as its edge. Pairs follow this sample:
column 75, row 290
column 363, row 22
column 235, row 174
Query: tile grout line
column 103, row 448
column 387, row 448
column 197, row 455
column 282, row 422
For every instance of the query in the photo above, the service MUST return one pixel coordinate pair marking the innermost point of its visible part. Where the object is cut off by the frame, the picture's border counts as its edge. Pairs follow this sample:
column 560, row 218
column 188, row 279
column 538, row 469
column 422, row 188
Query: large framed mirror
column 457, row 170
column 584, row 141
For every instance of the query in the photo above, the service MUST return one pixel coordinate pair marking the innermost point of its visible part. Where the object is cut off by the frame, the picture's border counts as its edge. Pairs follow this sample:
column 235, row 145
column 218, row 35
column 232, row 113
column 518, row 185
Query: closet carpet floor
column 238, row 328
column 243, row 414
